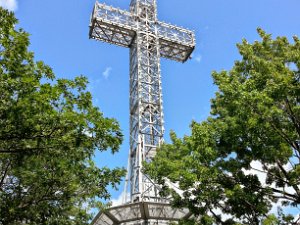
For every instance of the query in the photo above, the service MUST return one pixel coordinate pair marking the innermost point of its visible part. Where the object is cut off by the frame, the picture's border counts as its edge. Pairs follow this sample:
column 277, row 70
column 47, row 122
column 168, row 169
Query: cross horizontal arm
column 112, row 25
column 119, row 27
column 175, row 43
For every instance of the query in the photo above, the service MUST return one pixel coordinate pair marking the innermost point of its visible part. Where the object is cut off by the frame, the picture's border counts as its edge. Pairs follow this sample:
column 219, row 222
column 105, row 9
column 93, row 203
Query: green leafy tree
column 245, row 157
column 49, row 132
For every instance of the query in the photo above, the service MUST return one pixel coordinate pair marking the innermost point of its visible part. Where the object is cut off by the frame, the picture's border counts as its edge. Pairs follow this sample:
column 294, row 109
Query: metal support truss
column 138, row 213
column 148, row 40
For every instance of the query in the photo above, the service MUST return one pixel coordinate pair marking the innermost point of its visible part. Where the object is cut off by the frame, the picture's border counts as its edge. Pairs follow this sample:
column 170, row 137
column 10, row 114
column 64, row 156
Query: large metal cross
column 148, row 40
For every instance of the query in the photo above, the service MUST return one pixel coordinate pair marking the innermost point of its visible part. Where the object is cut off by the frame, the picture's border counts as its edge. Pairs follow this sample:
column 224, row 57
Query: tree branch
column 4, row 175
column 296, row 188
column 22, row 150
column 293, row 117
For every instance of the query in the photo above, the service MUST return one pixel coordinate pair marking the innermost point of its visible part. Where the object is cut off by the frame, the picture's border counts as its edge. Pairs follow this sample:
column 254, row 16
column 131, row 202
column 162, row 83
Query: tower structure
column 148, row 40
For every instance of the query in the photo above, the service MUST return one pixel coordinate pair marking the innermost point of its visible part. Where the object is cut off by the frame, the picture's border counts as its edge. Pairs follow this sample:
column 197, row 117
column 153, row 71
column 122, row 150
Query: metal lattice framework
column 148, row 40
column 138, row 213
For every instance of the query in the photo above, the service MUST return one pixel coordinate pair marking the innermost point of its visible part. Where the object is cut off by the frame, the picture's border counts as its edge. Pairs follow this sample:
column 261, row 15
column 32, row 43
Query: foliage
column 281, row 219
column 245, row 157
column 49, row 131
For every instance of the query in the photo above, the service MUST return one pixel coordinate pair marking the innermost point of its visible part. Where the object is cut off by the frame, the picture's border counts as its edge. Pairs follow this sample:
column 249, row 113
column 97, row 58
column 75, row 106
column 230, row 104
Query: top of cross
column 145, row 9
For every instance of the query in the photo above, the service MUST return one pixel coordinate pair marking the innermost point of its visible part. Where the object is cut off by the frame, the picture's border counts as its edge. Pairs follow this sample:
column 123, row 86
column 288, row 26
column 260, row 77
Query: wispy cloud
column 11, row 5
column 106, row 72
column 198, row 58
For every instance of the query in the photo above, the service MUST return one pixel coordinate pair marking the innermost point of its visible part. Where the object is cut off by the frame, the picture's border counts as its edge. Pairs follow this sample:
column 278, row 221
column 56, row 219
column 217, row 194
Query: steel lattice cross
column 148, row 40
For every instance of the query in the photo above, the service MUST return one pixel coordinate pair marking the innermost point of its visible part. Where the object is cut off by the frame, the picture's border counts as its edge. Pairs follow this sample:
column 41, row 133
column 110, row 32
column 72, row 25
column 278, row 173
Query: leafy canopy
column 49, row 131
column 245, row 157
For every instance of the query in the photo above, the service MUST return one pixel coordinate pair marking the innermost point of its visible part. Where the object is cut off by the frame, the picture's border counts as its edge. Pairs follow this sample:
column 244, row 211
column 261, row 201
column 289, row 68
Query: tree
column 49, row 132
column 245, row 157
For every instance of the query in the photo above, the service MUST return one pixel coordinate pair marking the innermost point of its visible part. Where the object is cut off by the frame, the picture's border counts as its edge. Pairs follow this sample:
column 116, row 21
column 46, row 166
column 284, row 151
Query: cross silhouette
column 148, row 39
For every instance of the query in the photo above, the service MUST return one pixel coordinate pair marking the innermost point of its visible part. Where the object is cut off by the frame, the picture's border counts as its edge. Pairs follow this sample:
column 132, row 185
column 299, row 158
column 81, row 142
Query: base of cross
column 141, row 213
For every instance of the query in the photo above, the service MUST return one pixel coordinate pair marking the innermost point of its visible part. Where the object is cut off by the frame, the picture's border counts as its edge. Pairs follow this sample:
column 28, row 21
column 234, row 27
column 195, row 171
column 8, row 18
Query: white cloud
column 297, row 219
column 257, row 169
column 198, row 58
column 11, row 5
column 106, row 72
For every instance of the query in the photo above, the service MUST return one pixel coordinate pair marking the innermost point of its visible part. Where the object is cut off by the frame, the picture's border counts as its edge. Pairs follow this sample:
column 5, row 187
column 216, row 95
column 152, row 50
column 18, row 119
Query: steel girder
column 146, row 115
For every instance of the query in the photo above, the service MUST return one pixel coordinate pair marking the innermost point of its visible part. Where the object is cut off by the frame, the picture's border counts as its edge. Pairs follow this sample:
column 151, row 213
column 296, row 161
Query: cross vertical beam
column 146, row 116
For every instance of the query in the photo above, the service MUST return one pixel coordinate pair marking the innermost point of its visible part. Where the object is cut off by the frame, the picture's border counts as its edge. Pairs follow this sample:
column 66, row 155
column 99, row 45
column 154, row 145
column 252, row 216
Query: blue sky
column 59, row 36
